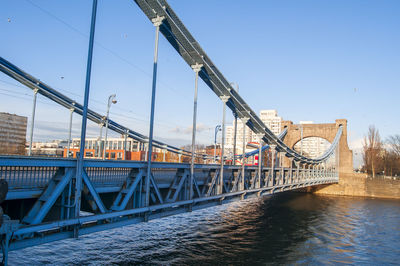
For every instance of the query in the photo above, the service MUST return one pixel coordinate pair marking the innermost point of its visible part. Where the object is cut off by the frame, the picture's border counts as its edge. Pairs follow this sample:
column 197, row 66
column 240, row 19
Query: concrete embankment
column 354, row 184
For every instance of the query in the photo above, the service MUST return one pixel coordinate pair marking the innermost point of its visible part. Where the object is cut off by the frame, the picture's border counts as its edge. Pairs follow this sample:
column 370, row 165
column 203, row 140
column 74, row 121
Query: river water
column 292, row 228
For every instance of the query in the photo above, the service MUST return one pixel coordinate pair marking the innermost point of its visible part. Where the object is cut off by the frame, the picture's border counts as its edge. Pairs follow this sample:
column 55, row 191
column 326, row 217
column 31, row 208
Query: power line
column 144, row 120
column 104, row 47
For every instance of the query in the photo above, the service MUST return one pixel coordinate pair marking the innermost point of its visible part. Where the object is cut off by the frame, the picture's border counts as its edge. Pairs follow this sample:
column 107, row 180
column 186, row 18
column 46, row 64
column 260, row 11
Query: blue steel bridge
column 50, row 199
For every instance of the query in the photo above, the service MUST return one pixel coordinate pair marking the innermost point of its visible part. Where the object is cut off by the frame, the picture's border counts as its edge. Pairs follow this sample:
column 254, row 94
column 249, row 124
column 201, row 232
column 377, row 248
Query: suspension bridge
column 49, row 199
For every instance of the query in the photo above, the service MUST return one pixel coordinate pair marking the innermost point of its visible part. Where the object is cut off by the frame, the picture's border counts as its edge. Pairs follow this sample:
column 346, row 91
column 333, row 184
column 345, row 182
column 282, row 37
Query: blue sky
column 310, row 60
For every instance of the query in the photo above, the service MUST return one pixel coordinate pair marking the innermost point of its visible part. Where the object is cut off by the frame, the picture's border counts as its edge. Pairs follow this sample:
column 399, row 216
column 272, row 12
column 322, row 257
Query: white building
column 230, row 134
column 269, row 117
column 312, row 147
column 52, row 148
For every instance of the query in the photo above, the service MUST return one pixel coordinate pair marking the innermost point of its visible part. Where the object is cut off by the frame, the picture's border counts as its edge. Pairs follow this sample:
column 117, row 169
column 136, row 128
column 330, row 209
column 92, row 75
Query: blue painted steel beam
column 92, row 226
column 79, row 167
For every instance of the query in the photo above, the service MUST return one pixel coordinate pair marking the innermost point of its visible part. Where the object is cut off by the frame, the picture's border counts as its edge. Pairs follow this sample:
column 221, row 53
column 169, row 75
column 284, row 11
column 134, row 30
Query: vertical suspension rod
column 244, row 121
column 260, row 161
column 157, row 21
column 70, row 131
column 221, row 172
column 35, row 91
column 79, row 168
column 273, row 149
column 196, row 68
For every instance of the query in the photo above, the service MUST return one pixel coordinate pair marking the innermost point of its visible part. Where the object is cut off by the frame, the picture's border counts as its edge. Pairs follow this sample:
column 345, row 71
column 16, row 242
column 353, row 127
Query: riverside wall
column 355, row 184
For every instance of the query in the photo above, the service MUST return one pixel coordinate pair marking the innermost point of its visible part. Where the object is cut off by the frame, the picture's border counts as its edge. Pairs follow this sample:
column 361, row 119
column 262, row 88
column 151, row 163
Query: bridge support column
column 196, row 68
column 260, row 160
column 221, row 172
column 282, row 175
column 297, row 171
column 157, row 21
column 234, row 141
column 79, row 168
column 241, row 183
column 273, row 151
column 290, row 171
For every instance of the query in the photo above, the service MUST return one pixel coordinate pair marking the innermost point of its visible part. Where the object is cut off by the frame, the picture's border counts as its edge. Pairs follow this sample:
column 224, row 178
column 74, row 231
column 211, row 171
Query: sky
column 310, row 60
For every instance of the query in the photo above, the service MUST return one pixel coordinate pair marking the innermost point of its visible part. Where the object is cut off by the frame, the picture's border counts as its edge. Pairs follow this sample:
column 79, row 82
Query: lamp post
column 111, row 100
column 217, row 128
column 235, row 134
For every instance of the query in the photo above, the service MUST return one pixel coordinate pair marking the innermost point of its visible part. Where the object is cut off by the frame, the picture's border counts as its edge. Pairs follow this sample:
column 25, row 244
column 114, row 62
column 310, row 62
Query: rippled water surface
column 284, row 229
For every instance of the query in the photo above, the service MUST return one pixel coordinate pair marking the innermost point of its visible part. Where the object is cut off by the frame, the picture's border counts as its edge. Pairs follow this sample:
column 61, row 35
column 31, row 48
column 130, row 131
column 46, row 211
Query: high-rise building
column 12, row 134
column 269, row 117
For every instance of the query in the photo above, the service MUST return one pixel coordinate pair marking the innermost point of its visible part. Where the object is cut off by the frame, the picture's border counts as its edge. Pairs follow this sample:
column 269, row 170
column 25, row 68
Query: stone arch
column 306, row 138
column 325, row 131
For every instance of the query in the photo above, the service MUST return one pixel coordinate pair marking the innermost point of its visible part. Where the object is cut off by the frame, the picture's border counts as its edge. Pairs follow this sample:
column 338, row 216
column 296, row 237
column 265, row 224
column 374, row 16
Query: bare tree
column 372, row 148
column 394, row 144
column 393, row 155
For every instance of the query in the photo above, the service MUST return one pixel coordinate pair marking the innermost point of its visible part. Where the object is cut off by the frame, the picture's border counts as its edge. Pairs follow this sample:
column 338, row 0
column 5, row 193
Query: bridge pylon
column 295, row 132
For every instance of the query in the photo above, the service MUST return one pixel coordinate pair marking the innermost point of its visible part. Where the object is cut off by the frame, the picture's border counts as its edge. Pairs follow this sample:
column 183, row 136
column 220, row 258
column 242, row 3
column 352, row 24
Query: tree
column 372, row 149
column 394, row 144
column 393, row 152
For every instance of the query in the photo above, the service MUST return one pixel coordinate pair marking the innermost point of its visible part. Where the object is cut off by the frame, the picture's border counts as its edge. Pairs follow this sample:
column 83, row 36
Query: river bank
column 355, row 184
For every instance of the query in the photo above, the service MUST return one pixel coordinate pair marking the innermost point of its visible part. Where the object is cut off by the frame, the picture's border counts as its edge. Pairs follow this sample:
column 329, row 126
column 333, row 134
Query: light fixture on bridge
column 111, row 100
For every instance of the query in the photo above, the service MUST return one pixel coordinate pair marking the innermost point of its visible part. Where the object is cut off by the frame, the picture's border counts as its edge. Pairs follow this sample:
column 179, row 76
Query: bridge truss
column 52, row 199
column 114, row 193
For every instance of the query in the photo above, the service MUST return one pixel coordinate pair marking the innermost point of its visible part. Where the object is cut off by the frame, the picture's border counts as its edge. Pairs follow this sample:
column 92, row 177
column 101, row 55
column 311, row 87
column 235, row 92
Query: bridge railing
column 36, row 173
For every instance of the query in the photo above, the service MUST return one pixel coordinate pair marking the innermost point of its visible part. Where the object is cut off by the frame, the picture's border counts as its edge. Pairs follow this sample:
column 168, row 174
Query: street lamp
column 217, row 128
column 111, row 100
column 234, row 137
